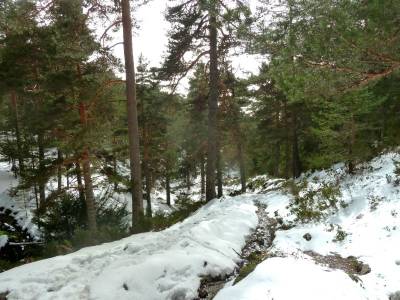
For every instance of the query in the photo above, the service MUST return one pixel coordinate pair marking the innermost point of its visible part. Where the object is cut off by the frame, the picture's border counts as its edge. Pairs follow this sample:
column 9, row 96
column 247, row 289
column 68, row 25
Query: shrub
column 340, row 235
column 313, row 205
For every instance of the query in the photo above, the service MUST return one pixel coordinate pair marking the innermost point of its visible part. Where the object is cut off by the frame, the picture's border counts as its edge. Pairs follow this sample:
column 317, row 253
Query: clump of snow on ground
column 368, row 228
column 155, row 265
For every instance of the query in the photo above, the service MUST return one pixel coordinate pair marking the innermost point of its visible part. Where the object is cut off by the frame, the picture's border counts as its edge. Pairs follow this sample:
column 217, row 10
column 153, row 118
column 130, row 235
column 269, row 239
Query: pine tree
column 195, row 29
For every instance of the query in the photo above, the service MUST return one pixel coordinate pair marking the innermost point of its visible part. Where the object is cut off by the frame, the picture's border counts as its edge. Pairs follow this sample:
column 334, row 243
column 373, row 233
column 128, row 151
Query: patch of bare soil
column 351, row 265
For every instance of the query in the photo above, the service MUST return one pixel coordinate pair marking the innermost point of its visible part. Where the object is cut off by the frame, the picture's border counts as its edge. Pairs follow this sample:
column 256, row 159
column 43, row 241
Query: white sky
column 151, row 40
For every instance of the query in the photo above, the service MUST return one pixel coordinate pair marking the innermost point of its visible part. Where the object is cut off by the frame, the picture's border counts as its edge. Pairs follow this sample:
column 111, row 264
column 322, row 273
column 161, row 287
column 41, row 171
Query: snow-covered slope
column 369, row 227
column 156, row 265
column 170, row 264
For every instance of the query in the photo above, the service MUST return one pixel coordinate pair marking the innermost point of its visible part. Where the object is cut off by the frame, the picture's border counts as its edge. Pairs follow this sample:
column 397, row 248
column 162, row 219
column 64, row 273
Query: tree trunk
column 168, row 188
column 89, row 195
column 79, row 181
column 203, row 175
column 212, row 105
column 146, row 168
column 220, row 191
column 147, row 177
column 17, row 133
column 351, row 144
column 133, row 126
column 115, row 170
column 59, row 170
column 242, row 166
column 86, row 168
column 287, row 140
column 41, row 177
column 296, row 167
column 277, row 154
column 277, row 159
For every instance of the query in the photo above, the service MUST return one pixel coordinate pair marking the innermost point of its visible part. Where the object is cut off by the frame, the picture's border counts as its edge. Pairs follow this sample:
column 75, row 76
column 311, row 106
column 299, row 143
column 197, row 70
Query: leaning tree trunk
column 133, row 126
column 212, row 105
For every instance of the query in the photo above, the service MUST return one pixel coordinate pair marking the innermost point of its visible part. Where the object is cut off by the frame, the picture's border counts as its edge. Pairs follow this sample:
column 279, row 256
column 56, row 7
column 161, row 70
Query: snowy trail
column 156, row 265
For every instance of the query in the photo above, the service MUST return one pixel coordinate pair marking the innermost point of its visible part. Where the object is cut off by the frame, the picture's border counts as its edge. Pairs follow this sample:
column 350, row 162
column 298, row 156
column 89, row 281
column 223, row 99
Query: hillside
column 346, row 251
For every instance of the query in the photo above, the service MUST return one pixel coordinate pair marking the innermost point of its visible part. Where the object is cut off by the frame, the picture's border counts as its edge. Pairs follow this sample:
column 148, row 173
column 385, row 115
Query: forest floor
column 328, row 235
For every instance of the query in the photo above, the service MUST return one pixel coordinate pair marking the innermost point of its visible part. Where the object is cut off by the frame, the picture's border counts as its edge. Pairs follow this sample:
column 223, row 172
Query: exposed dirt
column 351, row 265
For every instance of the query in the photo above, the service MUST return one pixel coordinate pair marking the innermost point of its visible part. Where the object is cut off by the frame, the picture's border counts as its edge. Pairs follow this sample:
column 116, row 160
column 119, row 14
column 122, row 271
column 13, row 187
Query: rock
column 203, row 293
column 397, row 262
column 395, row 296
column 363, row 269
column 307, row 237
column 3, row 296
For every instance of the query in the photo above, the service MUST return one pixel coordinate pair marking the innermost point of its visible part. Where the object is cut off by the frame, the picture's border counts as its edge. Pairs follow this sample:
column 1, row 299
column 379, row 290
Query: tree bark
column 351, row 166
column 287, row 141
column 41, row 177
column 212, row 105
column 79, row 181
column 168, row 188
column 220, row 190
column 147, row 177
column 87, row 175
column 296, row 163
column 202, row 175
column 146, row 168
column 242, row 167
column 133, row 126
column 20, row 158
column 59, row 170
column 277, row 154
column 89, row 195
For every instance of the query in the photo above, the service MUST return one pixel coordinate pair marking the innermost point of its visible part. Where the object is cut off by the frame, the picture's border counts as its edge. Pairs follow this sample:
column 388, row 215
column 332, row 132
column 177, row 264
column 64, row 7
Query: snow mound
column 291, row 278
column 156, row 265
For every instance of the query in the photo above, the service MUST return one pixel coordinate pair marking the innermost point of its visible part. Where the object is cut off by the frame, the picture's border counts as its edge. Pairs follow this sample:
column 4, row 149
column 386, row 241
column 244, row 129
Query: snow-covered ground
column 155, row 265
column 370, row 222
column 18, row 207
column 170, row 264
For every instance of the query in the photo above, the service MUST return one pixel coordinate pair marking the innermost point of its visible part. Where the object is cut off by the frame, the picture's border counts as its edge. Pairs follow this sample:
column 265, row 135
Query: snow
column 373, row 236
column 17, row 205
column 293, row 278
column 170, row 264
column 156, row 265
column 3, row 240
